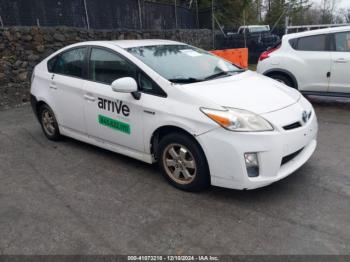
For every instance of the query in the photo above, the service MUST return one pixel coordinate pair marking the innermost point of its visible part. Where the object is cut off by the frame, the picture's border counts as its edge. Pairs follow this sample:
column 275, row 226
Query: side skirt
column 106, row 145
column 330, row 94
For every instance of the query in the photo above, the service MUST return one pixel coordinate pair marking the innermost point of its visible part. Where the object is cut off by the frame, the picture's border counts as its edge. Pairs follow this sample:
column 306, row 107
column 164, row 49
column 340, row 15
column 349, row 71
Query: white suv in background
column 314, row 62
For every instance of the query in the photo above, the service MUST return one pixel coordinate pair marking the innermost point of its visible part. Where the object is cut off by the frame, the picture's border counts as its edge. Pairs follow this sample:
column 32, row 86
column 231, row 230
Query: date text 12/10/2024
column 173, row 258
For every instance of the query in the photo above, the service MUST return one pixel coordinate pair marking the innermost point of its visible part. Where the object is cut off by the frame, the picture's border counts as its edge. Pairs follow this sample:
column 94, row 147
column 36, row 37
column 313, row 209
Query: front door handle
column 89, row 98
column 341, row 61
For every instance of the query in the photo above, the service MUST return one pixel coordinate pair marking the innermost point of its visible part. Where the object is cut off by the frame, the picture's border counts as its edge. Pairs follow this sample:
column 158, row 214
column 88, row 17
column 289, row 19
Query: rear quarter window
column 310, row 43
column 69, row 63
column 51, row 64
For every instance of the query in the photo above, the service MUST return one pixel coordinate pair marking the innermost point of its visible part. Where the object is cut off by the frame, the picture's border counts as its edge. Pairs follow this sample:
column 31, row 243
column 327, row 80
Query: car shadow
column 275, row 190
column 107, row 154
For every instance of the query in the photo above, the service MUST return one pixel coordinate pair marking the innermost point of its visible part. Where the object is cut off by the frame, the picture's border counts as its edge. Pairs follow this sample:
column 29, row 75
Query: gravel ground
column 73, row 198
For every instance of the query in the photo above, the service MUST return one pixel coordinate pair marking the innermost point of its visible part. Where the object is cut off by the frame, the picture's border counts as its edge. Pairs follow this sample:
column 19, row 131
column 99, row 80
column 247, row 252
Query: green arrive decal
column 114, row 124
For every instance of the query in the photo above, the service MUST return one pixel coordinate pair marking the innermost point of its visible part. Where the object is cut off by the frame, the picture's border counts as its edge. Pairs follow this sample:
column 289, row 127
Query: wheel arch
column 37, row 102
column 284, row 72
column 162, row 131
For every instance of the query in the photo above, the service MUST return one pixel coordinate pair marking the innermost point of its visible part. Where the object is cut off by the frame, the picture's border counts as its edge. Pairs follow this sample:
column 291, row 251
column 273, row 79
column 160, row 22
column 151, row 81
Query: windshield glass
column 258, row 29
column 182, row 62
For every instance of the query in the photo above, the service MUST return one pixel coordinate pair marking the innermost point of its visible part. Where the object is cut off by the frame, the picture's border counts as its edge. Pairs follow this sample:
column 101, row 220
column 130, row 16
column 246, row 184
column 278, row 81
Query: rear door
column 66, row 85
column 313, row 53
column 340, row 79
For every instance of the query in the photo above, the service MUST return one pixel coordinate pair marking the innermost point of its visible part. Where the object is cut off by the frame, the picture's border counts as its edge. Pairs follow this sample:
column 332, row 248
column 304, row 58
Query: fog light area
column 252, row 164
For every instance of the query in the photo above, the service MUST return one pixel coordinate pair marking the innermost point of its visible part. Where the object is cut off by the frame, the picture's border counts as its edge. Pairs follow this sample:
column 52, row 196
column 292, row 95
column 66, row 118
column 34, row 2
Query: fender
column 283, row 71
column 149, row 134
column 34, row 100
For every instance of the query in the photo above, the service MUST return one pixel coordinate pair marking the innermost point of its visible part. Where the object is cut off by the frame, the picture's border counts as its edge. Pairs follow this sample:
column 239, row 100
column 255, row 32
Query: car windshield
column 183, row 63
column 258, row 29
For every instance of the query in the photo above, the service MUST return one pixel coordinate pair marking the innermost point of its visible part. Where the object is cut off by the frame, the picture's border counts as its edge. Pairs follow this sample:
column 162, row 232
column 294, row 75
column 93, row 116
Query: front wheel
column 183, row 162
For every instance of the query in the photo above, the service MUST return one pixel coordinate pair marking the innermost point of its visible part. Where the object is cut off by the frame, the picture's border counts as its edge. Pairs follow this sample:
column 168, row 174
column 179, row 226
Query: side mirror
column 124, row 85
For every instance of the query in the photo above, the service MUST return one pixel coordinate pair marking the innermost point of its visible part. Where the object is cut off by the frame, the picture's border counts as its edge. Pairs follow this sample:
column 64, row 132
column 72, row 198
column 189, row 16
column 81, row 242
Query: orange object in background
column 235, row 56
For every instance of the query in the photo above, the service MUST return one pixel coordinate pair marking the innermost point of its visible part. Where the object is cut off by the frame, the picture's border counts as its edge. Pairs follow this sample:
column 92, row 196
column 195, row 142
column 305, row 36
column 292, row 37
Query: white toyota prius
column 205, row 120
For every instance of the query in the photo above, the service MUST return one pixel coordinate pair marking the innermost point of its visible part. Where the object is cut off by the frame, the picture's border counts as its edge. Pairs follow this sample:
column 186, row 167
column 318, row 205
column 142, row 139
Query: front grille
column 292, row 126
column 290, row 157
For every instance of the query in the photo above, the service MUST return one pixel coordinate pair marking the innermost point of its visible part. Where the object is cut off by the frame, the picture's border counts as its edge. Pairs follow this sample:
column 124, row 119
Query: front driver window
column 106, row 66
column 342, row 42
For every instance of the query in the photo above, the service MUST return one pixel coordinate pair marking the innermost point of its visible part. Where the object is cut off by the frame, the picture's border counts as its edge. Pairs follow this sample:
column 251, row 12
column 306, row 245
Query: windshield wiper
column 224, row 73
column 190, row 80
column 185, row 80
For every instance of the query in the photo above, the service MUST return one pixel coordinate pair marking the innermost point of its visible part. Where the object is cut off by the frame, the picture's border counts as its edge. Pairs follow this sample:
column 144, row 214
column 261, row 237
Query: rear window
column 310, row 43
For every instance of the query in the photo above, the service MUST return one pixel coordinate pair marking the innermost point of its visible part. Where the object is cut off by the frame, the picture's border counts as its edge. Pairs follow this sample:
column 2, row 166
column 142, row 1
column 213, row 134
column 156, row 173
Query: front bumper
column 225, row 152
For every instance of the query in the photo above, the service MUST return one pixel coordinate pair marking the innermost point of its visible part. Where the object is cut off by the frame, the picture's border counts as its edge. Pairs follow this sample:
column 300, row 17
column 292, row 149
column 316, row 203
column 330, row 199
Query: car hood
column 248, row 90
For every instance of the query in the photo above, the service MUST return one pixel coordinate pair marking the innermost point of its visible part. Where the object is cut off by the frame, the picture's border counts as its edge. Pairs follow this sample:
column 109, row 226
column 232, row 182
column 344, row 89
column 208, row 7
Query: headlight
column 238, row 120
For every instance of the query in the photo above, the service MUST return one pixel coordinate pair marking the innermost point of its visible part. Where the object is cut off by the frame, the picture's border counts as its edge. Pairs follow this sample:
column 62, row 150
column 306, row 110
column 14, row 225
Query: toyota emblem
column 305, row 116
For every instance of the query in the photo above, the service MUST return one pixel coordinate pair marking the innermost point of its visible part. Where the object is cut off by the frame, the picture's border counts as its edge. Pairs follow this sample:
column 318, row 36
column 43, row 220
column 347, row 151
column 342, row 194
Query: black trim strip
column 330, row 94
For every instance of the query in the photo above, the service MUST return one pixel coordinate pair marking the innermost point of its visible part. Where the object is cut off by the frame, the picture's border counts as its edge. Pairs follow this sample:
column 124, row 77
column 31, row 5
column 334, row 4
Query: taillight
column 267, row 53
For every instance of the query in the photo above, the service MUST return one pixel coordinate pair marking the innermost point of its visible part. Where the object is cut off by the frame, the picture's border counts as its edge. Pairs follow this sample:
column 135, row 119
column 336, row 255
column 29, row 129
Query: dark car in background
column 257, row 38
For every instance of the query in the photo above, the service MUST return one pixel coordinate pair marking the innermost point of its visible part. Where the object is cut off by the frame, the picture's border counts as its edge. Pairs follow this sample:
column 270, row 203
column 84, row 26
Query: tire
column 49, row 123
column 283, row 79
column 183, row 163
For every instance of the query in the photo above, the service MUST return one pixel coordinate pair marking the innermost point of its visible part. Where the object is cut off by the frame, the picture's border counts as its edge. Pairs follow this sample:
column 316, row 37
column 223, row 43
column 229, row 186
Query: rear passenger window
column 311, row 43
column 106, row 66
column 342, row 42
column 70, row 63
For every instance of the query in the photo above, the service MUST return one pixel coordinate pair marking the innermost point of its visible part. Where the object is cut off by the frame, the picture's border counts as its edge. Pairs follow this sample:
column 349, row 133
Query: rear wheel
column 49, row 123
column 183, row 162
column 284, row 79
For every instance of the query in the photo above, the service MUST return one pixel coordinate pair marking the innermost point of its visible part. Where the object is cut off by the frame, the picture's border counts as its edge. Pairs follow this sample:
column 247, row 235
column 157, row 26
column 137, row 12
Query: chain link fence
column 102, row 14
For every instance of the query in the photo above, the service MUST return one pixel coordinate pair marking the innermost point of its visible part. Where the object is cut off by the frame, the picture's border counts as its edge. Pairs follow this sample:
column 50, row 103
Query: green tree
column 278, row 9
column 232, row 13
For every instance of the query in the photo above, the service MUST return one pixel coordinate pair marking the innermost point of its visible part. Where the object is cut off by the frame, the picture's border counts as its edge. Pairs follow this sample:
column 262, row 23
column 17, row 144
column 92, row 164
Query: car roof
column 318, row 32
column 251, row 26
column 130, row 43
column 145, row 42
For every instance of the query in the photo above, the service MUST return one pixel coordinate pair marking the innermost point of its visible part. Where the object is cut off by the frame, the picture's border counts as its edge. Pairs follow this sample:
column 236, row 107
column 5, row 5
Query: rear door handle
column 89, row 98
column 341, row 61
column 53, row 85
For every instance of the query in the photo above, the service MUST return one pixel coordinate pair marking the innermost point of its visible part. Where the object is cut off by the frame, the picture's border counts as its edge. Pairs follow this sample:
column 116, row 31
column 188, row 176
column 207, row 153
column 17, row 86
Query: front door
column 313, row 52
column 340, row 79
column 111, row 117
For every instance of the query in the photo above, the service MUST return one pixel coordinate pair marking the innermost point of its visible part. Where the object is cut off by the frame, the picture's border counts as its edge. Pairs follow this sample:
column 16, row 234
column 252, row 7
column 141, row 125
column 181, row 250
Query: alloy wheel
column 48, row 122
column 179, row 164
